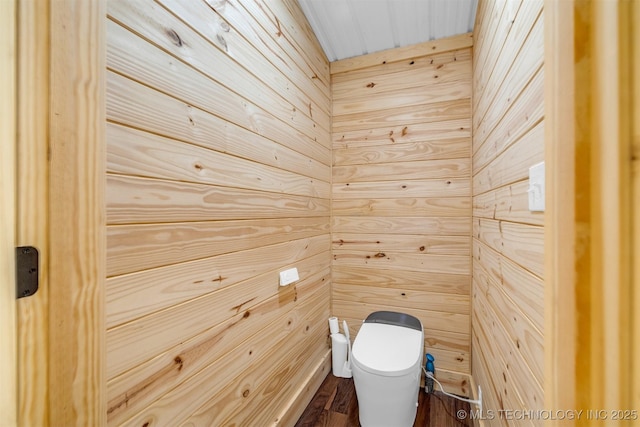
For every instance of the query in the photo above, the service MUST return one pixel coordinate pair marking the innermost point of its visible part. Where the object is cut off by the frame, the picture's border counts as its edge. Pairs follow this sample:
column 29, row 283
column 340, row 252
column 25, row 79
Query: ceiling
column 347, row 28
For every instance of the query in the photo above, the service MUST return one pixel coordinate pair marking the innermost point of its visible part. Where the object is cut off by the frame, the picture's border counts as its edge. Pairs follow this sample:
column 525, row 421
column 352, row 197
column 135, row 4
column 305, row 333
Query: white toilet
column 387, row 367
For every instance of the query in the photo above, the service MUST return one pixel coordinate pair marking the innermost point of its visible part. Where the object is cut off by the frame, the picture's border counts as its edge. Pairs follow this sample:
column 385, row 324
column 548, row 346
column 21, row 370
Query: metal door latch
column 26, row 271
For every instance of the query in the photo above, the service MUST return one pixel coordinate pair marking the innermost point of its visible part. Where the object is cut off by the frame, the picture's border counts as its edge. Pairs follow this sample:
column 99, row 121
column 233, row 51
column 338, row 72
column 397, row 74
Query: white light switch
column 536, row 187
column 289, row 276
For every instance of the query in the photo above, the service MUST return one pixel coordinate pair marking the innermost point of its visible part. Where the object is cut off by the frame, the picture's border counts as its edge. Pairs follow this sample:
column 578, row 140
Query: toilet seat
column 387, row 350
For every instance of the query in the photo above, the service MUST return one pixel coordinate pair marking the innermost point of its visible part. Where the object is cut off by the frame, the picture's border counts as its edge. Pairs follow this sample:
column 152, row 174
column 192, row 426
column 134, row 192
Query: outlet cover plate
column 289, row 276
column 536, row 188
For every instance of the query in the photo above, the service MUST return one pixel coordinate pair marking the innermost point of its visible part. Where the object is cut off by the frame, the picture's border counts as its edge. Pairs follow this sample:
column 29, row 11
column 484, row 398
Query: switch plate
column 289, row 276
column 536, row 188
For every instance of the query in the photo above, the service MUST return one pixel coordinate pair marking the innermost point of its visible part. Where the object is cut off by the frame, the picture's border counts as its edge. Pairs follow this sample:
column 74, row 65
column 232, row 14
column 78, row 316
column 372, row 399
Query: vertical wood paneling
column 508, row 240
column 218, row 177
column 401, row 208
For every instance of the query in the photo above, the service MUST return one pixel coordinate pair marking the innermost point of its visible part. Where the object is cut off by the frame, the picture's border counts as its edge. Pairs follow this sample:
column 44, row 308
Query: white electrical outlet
column 536, row 188
column 289, row 276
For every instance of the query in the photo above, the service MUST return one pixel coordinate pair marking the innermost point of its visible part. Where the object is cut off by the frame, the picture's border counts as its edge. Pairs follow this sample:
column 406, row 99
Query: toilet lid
column 387, row 350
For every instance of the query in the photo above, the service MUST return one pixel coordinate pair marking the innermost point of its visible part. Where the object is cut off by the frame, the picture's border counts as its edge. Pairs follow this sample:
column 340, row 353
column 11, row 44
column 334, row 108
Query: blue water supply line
column 429, row 367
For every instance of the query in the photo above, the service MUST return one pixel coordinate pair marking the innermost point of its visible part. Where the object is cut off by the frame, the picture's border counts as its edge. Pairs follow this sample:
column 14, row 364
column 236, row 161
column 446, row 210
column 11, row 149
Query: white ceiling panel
column 348, row 28
column 373, row 24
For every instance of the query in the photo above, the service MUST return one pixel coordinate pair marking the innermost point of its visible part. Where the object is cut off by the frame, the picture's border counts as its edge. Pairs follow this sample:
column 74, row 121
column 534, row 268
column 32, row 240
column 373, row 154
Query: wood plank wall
column 219, row 171
column 401, row 207
column 508, row 239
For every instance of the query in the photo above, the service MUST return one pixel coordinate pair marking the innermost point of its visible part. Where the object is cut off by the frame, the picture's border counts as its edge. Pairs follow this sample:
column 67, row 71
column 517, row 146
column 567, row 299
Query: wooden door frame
column 77, row 218
column 8, row 340
column 61, row 210
column 588, row 243
column 33, row 202
column 634, row 49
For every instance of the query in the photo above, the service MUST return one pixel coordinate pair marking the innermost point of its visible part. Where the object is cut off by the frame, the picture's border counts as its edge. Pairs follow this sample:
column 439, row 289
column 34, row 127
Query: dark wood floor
column 335, row 405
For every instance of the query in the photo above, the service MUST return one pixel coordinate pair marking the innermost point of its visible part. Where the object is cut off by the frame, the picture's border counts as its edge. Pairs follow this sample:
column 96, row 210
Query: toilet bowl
column 386, row 363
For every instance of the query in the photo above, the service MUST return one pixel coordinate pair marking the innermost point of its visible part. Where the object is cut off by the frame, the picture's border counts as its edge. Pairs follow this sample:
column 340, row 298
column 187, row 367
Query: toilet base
column 387, row 401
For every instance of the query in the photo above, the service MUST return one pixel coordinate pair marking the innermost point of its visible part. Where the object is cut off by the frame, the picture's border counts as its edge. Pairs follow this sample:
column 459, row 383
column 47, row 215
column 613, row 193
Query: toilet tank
column 389, row 343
